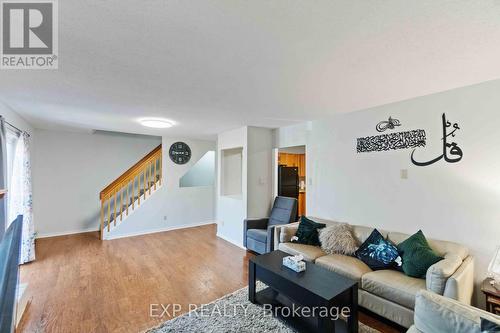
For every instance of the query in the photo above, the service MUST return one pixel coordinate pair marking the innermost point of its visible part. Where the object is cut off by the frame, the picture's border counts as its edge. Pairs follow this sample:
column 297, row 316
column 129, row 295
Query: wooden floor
column 81, row 284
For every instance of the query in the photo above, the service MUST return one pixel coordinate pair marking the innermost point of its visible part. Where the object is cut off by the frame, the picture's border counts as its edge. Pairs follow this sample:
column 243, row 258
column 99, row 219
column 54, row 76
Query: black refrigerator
column 288, row 182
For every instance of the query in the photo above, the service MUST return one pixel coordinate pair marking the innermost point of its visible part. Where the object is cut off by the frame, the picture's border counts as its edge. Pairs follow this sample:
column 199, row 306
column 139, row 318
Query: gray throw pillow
column 338, row 239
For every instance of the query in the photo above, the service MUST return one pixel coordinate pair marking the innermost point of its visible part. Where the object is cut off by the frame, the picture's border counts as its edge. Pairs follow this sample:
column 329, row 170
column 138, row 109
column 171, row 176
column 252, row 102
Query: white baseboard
column 232, row 241
column 65, row 233
column 96, row 228
column 153, row 231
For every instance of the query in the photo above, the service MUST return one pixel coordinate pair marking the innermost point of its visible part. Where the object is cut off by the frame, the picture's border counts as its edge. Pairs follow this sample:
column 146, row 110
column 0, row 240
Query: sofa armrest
column 284, row 233
column 460, row 285
column 259, row 223
column 438, row 274
column 436, row 314
column 270, row 238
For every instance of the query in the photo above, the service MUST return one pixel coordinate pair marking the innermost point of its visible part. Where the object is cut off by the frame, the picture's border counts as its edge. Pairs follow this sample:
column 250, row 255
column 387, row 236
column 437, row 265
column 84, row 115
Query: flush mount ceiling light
column 156, row 123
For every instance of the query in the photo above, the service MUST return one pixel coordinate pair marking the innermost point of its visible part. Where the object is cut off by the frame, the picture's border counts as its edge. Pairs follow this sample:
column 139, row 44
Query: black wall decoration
column 179, row 153
column 389, row 124
column 452, row 153
column 398, row 140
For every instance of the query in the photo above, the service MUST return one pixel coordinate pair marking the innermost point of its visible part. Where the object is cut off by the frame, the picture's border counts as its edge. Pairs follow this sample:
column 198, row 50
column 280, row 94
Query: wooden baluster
column 154, row 173
column 133, row 193
column 128, row 195
column 114, row 216
column 149, row 178
column 145, row 171
column 149, row 169
column 109, row 212
column 121, row 204
column 102, row 218
column 139, row 189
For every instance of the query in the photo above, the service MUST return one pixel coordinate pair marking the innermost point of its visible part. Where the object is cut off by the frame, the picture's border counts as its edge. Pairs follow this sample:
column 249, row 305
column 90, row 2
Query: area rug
column 231, row 313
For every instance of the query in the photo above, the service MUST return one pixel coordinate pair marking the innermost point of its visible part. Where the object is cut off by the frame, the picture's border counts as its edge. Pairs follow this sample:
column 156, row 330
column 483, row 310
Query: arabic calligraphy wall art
column 451, row 153
column 392, row 141
column 387, row 124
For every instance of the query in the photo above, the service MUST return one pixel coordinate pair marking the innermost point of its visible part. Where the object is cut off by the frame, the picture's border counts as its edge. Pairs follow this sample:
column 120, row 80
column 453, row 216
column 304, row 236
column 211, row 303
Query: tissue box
column 295, row 263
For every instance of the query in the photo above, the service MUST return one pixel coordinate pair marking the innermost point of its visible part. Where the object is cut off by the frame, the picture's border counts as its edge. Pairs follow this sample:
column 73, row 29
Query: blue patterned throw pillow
column 378, row 253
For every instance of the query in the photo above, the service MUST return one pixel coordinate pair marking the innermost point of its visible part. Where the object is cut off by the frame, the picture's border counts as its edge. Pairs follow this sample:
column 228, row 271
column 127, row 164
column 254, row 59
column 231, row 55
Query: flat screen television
column 10, row 251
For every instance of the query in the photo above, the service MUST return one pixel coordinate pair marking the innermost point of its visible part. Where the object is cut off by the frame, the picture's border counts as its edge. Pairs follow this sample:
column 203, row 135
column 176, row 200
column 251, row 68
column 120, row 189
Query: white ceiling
column 216, row 65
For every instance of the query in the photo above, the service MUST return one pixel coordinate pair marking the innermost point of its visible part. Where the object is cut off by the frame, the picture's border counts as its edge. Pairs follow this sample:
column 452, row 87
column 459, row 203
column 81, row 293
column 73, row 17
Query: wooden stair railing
column 123, row 192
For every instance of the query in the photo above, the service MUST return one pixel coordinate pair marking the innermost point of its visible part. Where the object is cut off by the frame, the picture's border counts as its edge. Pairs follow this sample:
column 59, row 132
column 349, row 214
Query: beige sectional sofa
column 390, row 293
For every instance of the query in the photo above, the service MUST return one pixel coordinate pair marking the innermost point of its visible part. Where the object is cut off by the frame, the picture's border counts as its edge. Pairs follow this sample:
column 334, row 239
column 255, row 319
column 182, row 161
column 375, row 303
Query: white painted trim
column 232, row 241
column 65, row 233
column 275, row 164
column 153, row 231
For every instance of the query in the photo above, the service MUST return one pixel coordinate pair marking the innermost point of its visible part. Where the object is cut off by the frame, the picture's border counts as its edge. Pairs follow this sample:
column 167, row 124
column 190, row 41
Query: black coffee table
column 316, row 287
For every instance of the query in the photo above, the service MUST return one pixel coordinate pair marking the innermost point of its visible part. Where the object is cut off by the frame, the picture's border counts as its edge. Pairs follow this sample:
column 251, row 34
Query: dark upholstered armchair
column 259, row 233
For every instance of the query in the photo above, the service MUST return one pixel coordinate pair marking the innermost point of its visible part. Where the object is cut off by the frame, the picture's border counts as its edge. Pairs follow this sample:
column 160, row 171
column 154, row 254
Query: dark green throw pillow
column 307, row 233
column 417, row 255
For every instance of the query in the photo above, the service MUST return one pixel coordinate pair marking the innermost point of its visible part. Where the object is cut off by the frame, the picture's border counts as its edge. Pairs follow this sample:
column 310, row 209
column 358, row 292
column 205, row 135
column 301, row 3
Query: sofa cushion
column 283, row 211
column 309, row 252
column 394, row 286
column 442, row 248
column 350, row 267
column 257, row 234
column 361, row 232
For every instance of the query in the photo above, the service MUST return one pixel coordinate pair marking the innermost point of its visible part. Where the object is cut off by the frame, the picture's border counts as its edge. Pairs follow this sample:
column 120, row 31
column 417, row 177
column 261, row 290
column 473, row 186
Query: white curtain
column 20, row 197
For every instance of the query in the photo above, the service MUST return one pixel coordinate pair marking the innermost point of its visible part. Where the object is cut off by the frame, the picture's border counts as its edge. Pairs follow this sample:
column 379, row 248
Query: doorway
column 291, row 175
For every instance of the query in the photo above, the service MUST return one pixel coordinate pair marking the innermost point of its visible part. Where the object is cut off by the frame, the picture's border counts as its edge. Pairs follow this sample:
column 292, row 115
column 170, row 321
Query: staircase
column 124, row 194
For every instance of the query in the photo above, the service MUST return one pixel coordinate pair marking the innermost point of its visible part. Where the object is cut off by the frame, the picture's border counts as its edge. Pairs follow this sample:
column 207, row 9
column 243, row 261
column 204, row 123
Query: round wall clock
column 179, row 153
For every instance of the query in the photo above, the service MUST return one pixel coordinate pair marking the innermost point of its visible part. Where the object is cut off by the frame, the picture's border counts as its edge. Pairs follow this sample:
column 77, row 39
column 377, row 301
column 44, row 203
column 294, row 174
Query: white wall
column 202, row 173
column 231, row 210
column 69, row 171
column 231, row 171
column 293, row 150
column 291, row 136
column 173, row 206
column 259, row 185
column 256, row 183
column 457, row 202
